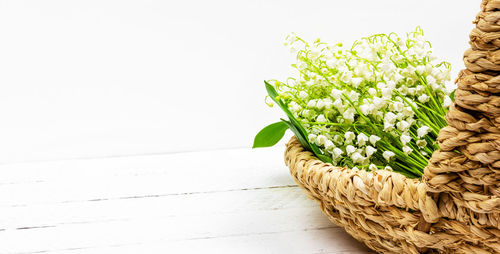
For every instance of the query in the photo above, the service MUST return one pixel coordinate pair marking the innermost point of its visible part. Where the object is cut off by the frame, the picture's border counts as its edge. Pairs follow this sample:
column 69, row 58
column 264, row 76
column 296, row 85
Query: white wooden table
column 223, row 201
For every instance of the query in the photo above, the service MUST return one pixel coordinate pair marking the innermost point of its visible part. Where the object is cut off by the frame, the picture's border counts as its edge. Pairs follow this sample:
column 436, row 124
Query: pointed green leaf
column 320, row 154
column 295, row 125
column 273, row 94
column 303, row 141
column 270, row 135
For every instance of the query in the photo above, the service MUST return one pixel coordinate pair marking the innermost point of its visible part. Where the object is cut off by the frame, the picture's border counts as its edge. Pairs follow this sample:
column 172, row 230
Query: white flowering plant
column 376, row 105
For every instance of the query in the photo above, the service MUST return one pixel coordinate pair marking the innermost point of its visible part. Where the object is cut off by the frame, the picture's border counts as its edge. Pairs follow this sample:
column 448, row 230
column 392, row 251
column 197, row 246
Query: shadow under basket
column 455, row 207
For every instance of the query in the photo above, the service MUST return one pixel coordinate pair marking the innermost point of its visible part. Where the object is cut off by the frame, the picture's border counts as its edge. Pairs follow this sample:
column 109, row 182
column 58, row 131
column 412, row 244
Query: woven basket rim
column 387, row 211
column 314, row 157
column 381, row 187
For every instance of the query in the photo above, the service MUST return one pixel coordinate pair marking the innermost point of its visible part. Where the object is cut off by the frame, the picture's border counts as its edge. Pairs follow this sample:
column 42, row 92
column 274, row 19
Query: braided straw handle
column 465, row 172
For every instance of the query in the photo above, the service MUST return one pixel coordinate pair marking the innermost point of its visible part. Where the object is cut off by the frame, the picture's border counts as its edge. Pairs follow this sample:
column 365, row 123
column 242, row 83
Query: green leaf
column 452, row 95
column 273, row 94
column 295, row 125
column 303, row 140
column 270, row 135
column 320, row 154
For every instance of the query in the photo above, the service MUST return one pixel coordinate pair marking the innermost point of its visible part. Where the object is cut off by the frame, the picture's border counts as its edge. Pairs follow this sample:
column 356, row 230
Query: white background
column 115, row 77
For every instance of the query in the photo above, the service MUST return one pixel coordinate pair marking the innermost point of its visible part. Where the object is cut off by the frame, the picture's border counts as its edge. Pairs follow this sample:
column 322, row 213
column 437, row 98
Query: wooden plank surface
column 223, row 201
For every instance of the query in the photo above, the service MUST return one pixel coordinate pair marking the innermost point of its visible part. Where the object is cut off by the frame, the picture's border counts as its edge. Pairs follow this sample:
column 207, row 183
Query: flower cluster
column 376, row 105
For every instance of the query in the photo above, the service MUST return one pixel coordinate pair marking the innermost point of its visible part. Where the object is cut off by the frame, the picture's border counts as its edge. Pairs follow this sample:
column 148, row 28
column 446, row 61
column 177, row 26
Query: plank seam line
column 180, row 240
column 162, row 195
column 117, row 156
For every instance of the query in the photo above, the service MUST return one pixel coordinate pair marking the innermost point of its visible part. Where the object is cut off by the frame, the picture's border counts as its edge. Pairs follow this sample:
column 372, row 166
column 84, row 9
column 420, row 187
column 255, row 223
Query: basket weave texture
column 455, row 207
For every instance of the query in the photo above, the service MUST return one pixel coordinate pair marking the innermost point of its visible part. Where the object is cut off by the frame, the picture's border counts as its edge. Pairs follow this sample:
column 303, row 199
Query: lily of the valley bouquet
column 376, row 105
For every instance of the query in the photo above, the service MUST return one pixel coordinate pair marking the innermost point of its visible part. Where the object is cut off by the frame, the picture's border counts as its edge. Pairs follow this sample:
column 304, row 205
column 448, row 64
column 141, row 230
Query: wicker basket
column 455, row 208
